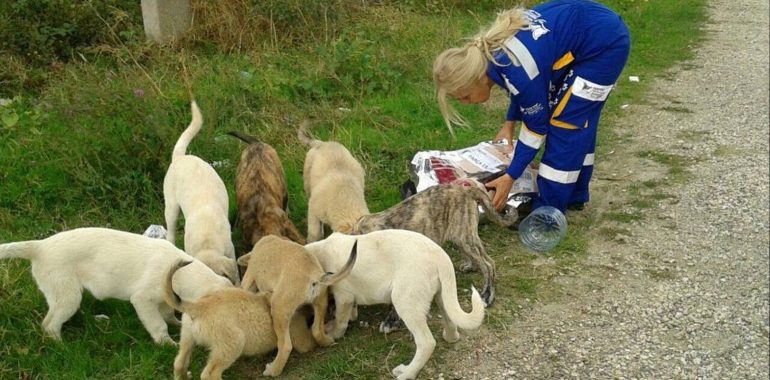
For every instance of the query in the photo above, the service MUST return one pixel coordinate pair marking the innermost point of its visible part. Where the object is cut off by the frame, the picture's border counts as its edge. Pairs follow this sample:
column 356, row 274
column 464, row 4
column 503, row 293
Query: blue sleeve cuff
column 522, row 156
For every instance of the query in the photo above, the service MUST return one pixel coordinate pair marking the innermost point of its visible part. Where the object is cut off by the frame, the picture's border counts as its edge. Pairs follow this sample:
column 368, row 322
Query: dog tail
column 482, row 198
column 180, row 149
column 463, row 320
column 332, row 278
column 243, row 137
column 304, row 135
column 172, row 299
column 19, row 250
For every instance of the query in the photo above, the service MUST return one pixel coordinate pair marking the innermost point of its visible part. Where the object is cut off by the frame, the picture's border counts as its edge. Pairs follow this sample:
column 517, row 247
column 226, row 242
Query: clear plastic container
column 543, row 229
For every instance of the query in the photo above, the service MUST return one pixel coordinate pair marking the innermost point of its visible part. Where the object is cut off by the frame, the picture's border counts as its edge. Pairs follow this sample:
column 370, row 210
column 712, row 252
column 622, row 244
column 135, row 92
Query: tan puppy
column 193, row 186
column 260, row 191
column 295, row 277
column 110, row 264
column 404, row 268
column 231, row 323
column 334, row 185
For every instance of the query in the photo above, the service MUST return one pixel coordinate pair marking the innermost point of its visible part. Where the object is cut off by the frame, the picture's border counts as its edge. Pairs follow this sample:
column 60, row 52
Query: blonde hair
column 458, row 68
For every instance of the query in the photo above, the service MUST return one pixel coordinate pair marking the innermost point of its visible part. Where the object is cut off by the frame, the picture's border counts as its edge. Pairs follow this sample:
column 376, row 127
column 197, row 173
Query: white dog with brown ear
column 334, row 185
column 406, row 269
column 111, row 264
column 193, row 186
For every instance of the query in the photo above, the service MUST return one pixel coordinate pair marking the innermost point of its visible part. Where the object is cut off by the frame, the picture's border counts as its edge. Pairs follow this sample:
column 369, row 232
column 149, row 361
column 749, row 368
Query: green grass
column 88, row 151
column 676, row 165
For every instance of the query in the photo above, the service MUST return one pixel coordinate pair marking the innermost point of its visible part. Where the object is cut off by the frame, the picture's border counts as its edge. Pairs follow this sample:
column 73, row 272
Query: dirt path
column 682, row 293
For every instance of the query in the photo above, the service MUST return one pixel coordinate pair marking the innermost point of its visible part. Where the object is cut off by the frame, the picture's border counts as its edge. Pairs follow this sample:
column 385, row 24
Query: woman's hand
column 506, row 133
column 502, row 186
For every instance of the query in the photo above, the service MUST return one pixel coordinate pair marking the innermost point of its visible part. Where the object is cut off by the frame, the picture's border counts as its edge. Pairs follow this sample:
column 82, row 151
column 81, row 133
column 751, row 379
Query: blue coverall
column 564, row 65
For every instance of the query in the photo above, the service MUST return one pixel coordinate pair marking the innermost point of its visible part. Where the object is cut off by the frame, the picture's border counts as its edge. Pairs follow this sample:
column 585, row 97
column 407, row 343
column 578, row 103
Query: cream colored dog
column 110, row 264
column 231, row 323
column 193, row 186
column 334, row 185
column 295, row 277
column 406, row 269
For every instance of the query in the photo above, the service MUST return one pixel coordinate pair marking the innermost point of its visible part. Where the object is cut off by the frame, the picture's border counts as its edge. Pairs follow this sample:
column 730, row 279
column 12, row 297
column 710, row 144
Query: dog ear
column 345, row 228
column 229, row 271
column 244, row 260
column 407, row 189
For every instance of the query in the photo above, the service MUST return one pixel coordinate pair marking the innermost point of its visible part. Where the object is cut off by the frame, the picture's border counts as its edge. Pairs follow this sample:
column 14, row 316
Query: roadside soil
column 682, row 292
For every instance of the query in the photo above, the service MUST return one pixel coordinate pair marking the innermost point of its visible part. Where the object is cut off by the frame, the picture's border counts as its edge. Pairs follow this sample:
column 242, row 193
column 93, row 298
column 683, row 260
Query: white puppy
column 193, row 186
column 334, row 185
column 406, row 269
column 111, row 264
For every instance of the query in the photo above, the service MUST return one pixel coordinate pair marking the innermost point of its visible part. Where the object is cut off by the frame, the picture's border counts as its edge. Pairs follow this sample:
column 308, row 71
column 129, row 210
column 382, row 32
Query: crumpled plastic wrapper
column 155, row 231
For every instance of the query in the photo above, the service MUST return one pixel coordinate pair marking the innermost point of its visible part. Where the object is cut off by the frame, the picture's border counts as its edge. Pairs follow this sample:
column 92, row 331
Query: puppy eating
column 334, row 185
column 406, row 269
column 110, row 264
column 260, row 190
column 295, row 277
column 445, row 213
column 231, row 323
column 193, row 186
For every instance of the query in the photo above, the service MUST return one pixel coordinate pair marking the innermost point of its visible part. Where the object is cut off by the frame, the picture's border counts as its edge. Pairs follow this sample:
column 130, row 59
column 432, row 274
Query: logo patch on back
column 590, row 91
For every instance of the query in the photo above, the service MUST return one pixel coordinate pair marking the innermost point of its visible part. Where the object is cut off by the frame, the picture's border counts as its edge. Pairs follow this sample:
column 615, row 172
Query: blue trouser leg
column 567, row 162
column 562, row 165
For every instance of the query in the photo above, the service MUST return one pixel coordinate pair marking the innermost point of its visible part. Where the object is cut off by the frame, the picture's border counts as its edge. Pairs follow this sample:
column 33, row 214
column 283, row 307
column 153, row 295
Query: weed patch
column 96, row 111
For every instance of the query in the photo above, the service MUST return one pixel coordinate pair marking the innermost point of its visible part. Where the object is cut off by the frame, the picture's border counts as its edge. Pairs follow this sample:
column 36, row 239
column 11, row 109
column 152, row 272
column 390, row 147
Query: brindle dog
column 260, row 190
column 444, row 213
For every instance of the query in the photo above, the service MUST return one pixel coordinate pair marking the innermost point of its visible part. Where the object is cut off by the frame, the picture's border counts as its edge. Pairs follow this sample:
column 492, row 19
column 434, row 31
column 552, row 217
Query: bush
column 46, row 31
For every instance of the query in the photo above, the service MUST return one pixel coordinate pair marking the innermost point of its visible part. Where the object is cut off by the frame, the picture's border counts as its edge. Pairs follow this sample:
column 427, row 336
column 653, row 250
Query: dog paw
column 269, row 371
column 55, row 335
column 166, row 341
column 451, row 337
column 387, row 327
column 402, row 372
column 339, row 333
column 325, row 341
column 399, row 370
column 467, row 266
column 488, row 297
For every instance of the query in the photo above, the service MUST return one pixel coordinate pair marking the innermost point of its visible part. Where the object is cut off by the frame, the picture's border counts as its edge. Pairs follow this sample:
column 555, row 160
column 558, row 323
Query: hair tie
column 480, row 43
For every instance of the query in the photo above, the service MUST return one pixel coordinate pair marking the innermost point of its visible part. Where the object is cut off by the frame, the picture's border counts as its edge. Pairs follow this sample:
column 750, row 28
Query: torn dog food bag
column 482, row 162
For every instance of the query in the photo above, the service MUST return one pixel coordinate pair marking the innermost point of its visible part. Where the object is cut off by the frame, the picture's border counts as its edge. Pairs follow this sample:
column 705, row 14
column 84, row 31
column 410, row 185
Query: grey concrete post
column 165, row 20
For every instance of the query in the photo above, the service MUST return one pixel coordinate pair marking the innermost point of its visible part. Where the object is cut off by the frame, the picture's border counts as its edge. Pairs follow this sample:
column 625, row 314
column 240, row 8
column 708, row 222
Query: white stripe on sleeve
column 524, row 56
column 530, row 139
column 555, row 175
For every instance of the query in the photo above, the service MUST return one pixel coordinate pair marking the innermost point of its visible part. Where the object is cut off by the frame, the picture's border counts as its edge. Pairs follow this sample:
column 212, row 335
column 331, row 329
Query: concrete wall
column 166, row 20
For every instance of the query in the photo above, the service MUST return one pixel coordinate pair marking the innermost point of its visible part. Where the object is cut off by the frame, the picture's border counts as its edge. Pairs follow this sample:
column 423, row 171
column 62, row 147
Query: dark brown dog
column 260, row 191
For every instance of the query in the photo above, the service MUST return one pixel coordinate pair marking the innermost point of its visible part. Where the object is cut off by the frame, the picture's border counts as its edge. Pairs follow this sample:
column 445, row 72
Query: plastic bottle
column 543, row 229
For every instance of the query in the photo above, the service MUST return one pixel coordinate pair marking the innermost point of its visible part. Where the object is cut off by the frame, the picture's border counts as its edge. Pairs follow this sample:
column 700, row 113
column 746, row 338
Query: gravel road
column 685, row 294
